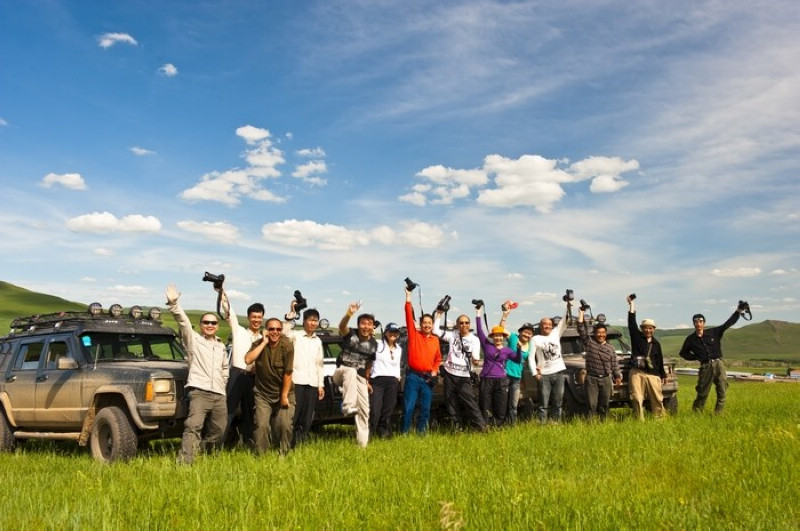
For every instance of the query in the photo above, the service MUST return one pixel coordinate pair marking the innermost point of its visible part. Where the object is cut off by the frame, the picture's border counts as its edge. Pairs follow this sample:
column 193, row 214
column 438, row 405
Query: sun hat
column 499, row 330
column 647, row 322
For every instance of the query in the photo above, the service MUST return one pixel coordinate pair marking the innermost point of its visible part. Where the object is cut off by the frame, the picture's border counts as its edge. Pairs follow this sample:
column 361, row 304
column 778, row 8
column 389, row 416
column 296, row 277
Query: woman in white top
column 384, row 382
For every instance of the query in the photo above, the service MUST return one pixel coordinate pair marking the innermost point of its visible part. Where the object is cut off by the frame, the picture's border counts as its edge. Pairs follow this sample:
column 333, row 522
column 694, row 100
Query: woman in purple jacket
column 494, row 380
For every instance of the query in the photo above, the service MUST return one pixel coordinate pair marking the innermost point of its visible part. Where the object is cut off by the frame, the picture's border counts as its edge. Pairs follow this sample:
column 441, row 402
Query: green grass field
column 737, row 471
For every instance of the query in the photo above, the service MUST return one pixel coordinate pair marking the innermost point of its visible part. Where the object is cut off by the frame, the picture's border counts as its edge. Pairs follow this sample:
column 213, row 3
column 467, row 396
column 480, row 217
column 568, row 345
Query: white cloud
column 228, row 187
column 141, row 152
column 604, row 171
column 89, row 279
column 315, row 153
column 739, row 272
column 219, row 231
column 3, row 122
column 252, row 135
column 306, row 172
column 73, row 181
column 128, row 290
column 104, row 222
column 103, row 251
column 415, row 198
column 328, row 237
column 107, row 40
column 168, row 70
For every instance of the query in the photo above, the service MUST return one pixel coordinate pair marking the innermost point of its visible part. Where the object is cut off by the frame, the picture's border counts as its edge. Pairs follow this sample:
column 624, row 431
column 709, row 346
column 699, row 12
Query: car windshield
column 124, row 347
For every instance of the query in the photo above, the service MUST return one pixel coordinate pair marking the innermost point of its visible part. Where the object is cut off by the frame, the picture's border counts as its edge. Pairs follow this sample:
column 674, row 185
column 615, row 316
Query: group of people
column 274, row 377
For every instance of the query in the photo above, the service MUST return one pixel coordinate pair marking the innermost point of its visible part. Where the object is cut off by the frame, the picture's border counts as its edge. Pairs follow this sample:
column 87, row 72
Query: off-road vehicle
column 105, row 379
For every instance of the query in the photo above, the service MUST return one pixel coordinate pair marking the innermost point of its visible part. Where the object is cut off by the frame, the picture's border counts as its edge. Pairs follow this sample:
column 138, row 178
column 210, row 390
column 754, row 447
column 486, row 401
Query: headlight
column 160, row 390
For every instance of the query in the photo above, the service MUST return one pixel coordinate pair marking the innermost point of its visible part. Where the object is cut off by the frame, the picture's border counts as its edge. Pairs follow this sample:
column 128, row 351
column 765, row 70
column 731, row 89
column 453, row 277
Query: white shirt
column 547, row 355
column 242, row 338
column 457, row 363
column 387, row 360
column 309, row 360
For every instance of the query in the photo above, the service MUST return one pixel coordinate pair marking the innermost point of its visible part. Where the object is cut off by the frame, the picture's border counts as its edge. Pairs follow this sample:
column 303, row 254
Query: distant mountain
column 20, row 302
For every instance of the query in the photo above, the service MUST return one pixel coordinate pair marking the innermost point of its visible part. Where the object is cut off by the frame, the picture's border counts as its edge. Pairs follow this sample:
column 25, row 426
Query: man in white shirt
column 308, row 375
column 460, row 392
column 242, row 380
column 548, row 367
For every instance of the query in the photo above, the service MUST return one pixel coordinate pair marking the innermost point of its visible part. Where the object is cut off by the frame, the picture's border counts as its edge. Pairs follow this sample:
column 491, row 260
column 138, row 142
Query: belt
column 599, row 375
column 244, row 371
column 710, row 361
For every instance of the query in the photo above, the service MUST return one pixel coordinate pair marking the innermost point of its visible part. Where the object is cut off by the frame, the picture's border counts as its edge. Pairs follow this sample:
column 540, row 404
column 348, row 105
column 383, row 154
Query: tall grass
column 688, row 471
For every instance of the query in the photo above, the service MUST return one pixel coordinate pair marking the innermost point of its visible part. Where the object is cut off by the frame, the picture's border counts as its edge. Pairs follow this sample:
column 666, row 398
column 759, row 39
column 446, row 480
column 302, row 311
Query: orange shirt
column 424, row 354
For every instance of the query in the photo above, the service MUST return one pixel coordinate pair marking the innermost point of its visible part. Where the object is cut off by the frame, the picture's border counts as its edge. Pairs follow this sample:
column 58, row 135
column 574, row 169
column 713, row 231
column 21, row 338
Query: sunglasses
column 462, row 323
column 274, row 329
column 209, row 323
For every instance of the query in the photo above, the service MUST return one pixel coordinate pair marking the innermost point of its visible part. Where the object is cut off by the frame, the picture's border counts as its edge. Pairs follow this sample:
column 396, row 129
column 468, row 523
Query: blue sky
column 485, row 149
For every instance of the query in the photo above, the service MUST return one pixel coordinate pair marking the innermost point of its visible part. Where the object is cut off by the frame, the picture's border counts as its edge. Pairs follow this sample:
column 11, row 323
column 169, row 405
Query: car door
column 21, row 378
column 59, row 404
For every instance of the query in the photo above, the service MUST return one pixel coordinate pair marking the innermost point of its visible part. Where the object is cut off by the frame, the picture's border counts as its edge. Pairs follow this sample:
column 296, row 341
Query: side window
column 332, row 350
column 28, row 357
column 56, row 350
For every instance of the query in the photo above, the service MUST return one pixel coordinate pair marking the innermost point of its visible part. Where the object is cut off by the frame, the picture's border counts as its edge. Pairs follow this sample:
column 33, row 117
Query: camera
column 216, row 279
column 410, row 284
column 510, row 306
column 478, row 303
column 299, row 302
column 444, row 304
column 744, row 308
column 569, row 296
column 584, row 305
column 632, row 296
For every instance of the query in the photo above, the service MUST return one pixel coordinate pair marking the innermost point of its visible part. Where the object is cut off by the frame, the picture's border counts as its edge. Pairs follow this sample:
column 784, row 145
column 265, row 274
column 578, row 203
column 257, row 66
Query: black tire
column 6, row 435
column 113, row 437
column 671, row 403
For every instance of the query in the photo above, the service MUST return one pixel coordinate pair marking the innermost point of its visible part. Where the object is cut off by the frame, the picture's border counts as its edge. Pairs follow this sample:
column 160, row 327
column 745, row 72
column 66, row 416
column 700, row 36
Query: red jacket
column 424, row 354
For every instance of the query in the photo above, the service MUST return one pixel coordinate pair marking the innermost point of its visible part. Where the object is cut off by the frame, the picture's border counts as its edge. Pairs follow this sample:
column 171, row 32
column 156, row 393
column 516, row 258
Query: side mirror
column 64, row 362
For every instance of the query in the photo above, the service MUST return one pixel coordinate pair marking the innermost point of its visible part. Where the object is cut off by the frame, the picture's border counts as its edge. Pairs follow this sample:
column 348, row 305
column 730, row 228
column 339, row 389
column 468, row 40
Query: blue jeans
column 551, row 396
column 416, row 389
column 513, row 399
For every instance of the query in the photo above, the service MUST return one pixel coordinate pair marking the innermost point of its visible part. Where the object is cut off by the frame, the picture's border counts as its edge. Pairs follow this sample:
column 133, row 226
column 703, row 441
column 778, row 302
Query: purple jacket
column 494, row 359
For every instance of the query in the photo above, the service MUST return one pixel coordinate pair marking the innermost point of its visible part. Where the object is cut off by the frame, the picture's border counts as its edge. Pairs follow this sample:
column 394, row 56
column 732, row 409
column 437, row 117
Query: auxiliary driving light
column 115, row 311
column 135, row 312
column 95, row 309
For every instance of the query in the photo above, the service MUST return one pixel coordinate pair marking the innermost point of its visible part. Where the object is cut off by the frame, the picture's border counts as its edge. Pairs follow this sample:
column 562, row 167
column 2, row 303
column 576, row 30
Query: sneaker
column 349, row 411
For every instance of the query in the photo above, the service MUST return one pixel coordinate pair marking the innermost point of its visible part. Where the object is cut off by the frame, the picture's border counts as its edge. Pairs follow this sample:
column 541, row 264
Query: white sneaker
column 349, row 411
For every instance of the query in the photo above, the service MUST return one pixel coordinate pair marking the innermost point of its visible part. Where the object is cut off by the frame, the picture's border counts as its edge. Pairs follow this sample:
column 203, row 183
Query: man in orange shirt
column 424, row 358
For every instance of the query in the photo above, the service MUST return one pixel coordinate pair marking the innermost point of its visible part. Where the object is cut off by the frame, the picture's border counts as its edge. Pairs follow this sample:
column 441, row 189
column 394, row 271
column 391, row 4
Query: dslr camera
column 744, row 308
column 444, row 304
column 568, row 297
column 300, row 303
column 216, row 279
column 632, row 296
column 410, row 284
column 478, row 303
column 584, row 305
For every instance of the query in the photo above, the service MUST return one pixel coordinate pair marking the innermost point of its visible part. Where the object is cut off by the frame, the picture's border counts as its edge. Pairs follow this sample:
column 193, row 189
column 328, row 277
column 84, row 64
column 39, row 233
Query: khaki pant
column 273, row 423
column 202, row 405
column 641, row 383
column 355, row 395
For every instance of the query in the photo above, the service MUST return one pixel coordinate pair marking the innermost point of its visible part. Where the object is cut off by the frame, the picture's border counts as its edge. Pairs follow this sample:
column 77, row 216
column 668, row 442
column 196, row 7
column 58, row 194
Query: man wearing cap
column 494, row 382
column 520, row 342
column 308, row 375
column 705, row 346
column 547, row 366
column 602, row 369
column 205, row 385
column 355, row 365
column 647, row 372
column 385, row 382
column 460, row 392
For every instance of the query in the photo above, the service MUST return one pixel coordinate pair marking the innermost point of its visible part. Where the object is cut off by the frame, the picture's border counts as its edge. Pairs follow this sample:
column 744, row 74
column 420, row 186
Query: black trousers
column 461, row 400
column 494, row 399
column 382, row 403
column 306, row 398
column 240, row 399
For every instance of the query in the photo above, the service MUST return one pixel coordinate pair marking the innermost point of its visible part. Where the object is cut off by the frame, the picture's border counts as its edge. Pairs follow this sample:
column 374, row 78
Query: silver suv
column 103, row 379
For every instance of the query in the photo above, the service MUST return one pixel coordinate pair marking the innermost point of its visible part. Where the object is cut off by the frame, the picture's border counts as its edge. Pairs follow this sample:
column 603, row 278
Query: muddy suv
column 575, row 400
column 103, row 379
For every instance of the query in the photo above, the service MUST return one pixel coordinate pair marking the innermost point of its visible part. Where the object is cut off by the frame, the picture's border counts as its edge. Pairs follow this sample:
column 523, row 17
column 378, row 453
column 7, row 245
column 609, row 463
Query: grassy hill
column 18, row 302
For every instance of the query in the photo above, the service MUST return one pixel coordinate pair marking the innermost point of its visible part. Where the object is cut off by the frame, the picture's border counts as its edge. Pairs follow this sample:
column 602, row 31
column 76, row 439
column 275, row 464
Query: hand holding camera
column 444, row 304
column 584, row 306
column 744, row 308
column 509, row 305
column 300, row 303
column 216, row 279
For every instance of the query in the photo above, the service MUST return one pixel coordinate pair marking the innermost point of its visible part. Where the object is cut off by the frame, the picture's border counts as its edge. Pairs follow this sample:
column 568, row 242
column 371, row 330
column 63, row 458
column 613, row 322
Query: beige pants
column 641, row 383
column 355, row 395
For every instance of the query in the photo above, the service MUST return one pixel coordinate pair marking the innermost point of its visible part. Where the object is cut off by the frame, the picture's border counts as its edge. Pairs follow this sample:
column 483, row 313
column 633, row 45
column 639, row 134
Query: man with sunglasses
column 273, row 357
column 460, row 391
column 705, row 346
column 205, row 385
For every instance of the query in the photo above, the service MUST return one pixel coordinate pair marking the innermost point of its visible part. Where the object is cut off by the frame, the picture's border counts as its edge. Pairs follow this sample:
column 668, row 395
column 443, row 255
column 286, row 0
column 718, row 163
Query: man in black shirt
column 705, row 346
